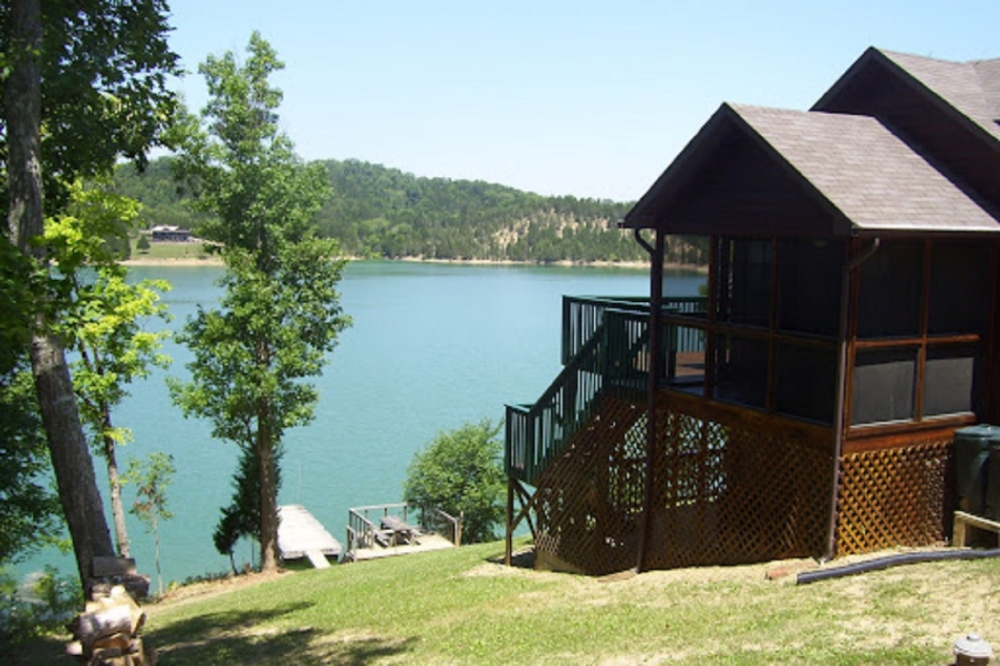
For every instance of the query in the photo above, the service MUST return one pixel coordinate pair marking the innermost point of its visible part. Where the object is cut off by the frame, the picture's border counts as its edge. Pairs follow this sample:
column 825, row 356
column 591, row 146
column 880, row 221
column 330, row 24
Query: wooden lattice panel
column 727, row 492
column 588, row 501
column 892, row 497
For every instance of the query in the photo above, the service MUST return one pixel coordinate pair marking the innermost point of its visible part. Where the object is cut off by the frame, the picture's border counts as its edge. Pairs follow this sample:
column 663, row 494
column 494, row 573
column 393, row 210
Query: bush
column 460, row 472
column 40, row 606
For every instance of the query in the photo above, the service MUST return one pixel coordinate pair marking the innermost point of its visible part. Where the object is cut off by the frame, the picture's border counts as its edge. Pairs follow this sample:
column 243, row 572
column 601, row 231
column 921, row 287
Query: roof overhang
column 758, row 171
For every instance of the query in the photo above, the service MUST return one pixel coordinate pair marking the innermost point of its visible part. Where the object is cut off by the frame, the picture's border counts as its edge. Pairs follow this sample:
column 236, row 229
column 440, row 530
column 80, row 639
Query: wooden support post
column 509, row 543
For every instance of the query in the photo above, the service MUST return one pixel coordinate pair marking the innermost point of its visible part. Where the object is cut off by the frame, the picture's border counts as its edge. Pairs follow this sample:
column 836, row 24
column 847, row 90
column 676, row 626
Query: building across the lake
column 807, row 405
column 170, row 233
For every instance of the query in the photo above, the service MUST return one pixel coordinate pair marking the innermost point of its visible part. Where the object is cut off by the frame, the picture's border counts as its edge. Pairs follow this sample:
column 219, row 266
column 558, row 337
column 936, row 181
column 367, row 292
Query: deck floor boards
column 300, row 535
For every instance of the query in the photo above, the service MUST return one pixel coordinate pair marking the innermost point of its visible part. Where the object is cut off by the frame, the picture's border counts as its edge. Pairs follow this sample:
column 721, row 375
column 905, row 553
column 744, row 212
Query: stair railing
column 614, row 359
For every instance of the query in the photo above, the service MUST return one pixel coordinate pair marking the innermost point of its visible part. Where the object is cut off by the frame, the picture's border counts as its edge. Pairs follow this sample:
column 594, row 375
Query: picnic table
column 400, row 529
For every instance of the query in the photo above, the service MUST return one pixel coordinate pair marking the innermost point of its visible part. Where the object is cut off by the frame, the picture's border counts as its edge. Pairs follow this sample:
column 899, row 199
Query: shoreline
column 187, row 262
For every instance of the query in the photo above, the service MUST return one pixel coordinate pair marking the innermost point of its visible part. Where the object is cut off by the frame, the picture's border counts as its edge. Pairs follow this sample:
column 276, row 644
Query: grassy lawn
column 457, row 607
column 164, row 250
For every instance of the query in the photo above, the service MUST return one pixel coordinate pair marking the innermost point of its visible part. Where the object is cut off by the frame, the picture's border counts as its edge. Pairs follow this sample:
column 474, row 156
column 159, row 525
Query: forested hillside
column 379, row 212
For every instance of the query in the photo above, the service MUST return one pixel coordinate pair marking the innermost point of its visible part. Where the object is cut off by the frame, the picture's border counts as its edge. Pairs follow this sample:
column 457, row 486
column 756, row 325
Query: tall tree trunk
column 114, row 480
column 71, row 461
column 268, row 500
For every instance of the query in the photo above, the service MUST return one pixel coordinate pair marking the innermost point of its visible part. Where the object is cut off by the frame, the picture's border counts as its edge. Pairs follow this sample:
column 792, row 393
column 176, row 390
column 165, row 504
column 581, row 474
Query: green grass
column 165, row 250
column 458, row 607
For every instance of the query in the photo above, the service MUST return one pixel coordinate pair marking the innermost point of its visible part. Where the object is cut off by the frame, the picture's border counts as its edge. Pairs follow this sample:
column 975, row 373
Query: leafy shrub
column 460, row 472
column 44, row 604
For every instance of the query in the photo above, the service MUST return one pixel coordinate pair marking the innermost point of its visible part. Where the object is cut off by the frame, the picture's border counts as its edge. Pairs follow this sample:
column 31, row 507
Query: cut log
column 108, row 616
column 89, row 628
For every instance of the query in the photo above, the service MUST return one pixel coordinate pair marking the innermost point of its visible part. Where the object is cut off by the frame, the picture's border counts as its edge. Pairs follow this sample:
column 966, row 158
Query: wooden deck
column 301, row 535
column 426, row 542
column 385, row 530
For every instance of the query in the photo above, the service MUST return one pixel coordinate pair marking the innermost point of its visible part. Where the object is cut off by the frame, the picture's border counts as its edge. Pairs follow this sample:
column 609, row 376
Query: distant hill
column 378, row 212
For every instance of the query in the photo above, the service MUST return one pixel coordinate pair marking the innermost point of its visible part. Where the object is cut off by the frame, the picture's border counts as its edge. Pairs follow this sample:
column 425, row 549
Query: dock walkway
column 300, row 535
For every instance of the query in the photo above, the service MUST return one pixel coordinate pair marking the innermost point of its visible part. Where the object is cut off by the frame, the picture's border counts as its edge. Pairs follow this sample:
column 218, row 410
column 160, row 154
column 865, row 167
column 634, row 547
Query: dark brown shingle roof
column 971, row 88
column 866, row 172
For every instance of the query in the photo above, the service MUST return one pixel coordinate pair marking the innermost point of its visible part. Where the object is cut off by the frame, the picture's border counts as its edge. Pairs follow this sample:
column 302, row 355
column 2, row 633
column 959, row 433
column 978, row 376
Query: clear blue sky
column 591, row 99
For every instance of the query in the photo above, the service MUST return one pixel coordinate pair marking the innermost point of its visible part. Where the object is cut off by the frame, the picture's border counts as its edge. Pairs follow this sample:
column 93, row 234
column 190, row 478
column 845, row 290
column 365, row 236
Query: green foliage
column 104, row 67
column 151, row 479
column 377, row 212
column 29, row 512
column 42, row 607
column 101, row 318
column 280, row 314
column 460, row 472
column 241, row 519
column 142, row 244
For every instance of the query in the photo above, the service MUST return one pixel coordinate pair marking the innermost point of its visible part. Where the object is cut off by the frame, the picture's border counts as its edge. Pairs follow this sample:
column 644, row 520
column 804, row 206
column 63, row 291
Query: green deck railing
column 582, row 315
column 605, row 351
column 612, row 361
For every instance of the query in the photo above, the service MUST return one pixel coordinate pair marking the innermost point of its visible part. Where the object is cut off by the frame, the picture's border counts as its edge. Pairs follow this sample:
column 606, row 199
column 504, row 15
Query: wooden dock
column 301, row 535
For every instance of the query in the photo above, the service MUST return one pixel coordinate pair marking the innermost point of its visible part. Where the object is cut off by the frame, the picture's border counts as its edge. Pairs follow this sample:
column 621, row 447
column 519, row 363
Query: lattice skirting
column 724, row 491
column 588, row 501
column 893, row 497
column 731, row 492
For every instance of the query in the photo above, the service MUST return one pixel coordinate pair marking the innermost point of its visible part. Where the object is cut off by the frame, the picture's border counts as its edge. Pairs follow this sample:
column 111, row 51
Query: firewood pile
column 107, row 632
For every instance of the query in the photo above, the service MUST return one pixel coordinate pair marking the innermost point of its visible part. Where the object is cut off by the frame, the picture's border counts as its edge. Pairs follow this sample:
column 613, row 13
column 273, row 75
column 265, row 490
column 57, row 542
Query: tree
column 96, row 77
column 280, row 314
column 242, row 517
column 460, row 472
column 151, row 479
column 142, row 244
column 103, row 319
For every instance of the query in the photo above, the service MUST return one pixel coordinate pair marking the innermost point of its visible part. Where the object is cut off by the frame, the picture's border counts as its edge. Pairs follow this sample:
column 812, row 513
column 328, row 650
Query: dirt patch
column 211, row 588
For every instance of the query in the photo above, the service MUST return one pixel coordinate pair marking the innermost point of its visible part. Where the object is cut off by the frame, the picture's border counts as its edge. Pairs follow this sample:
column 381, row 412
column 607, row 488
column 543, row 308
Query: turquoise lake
column 432, row 346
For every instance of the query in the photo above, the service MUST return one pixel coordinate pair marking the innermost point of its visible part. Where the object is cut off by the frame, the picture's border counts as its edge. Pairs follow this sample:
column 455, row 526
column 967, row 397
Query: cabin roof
column 834, row 171
column 970, row 89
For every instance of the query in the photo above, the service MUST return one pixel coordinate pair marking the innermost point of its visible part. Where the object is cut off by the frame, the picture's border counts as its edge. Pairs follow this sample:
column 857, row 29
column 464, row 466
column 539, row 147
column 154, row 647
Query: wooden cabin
column 808, row 405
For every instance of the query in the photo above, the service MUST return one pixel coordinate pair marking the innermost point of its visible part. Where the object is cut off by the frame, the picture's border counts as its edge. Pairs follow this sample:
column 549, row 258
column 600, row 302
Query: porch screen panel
column 809, row 280
column 744, row 281
column 890, row 293
column 806, row 382
column 741, row 370
column 959, row 289
column 883, row 387
column 685, row 358
column 952, row 380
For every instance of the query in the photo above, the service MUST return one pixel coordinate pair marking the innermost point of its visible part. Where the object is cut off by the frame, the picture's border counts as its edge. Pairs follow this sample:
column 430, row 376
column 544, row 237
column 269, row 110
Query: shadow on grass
column 522, row 558
column 43, row 650
column 237, row 637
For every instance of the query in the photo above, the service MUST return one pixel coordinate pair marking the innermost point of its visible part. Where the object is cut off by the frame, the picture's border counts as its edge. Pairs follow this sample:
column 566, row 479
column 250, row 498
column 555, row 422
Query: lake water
column 432, row 346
